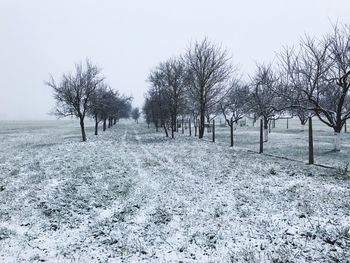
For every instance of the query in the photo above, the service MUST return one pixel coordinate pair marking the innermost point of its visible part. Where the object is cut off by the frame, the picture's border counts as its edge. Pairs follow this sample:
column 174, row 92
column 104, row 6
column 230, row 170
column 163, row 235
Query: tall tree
column 96, row 105
column 74, row 91
column 207, row 67
column 321, row 71
column 174, row 84
column 135, row 114
column 296, row 101
column 157, row 97
column 265, row 97
column 235, row 104
column 122, row 107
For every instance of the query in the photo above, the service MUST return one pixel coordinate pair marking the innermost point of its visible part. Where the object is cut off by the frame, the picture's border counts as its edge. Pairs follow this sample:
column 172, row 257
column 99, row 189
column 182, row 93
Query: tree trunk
column 337, row 141
column 266, row 132
column 231, row 132
column 96, row 125
column 311, row 143
column 201, row 124
column 166, row 131
column 266, row 135
column 189, row 126
column 261, row 149
column 195, row 127
column 213, row 130
column 104, row 124
column 172, row 131
column 182, row 126
column 208, row 122
column 82, row 127
column 345, row 127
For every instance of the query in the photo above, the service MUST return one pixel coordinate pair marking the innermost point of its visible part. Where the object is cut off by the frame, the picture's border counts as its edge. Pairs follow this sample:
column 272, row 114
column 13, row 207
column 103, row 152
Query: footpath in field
column 131, row 195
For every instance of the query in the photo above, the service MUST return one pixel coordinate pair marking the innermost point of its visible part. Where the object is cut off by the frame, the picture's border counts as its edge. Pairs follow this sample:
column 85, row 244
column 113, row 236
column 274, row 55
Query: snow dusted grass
column 291, row 142
column 131, row 195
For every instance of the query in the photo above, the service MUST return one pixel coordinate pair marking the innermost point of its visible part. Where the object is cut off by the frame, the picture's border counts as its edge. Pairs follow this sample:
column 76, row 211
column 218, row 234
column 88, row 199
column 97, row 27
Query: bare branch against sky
column 128, row 38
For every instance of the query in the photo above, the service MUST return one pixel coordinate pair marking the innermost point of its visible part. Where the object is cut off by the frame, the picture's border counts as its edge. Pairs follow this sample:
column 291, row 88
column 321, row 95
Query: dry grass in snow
column 131, row 195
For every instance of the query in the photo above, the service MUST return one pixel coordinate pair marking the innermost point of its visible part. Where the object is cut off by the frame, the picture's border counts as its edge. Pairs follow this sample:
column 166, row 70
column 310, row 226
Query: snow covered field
column 130, row 194
column 292, row 142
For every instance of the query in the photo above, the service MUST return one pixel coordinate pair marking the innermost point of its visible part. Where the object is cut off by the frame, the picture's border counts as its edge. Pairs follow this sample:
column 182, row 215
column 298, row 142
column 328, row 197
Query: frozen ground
column 132, row 195
column 291, row 142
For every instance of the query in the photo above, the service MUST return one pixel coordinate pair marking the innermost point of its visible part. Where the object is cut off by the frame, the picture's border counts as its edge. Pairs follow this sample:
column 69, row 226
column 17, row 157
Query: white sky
column 127, row 38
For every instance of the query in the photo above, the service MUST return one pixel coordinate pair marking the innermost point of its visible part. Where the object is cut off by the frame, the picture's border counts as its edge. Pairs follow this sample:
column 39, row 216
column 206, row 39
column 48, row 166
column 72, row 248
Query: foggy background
column 127, row 38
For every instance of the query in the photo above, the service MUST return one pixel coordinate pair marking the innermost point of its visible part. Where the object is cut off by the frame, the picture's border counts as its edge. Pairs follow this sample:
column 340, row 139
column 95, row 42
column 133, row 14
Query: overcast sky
column 127, row 38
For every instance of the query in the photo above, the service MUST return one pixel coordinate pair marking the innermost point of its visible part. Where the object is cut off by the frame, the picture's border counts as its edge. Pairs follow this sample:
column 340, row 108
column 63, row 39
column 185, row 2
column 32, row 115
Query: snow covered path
column 131, row 195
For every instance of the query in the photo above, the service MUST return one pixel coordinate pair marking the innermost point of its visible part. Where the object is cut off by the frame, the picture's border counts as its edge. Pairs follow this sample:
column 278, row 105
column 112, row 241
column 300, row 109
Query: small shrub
column 305, row 207
column 5, row 233
column 343, row 171
column 282, row 255
column 218, row 211
column 161, row 216
column 272, row 171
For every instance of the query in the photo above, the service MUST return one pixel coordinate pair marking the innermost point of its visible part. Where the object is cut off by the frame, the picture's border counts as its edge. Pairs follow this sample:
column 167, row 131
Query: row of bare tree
column 311, row 79
column 84, row 93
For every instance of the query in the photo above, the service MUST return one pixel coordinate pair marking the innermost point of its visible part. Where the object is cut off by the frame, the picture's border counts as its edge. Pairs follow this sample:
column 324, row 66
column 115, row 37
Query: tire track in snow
column 176, row 176
column 143, row 194
column 147, row 186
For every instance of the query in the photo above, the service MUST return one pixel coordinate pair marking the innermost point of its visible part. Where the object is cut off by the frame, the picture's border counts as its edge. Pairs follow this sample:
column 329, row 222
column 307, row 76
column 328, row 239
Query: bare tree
column 321, row 72
column 265, row 98
column 296, row 101
column 147, row 111
column 108, row 106
column 135, row 114
column 122, row 107
column 174, row 84
column 336, row 98
column 96, row 105
column 74, row 91
column 235, row 104
column 157, row 97
column 207, row 67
